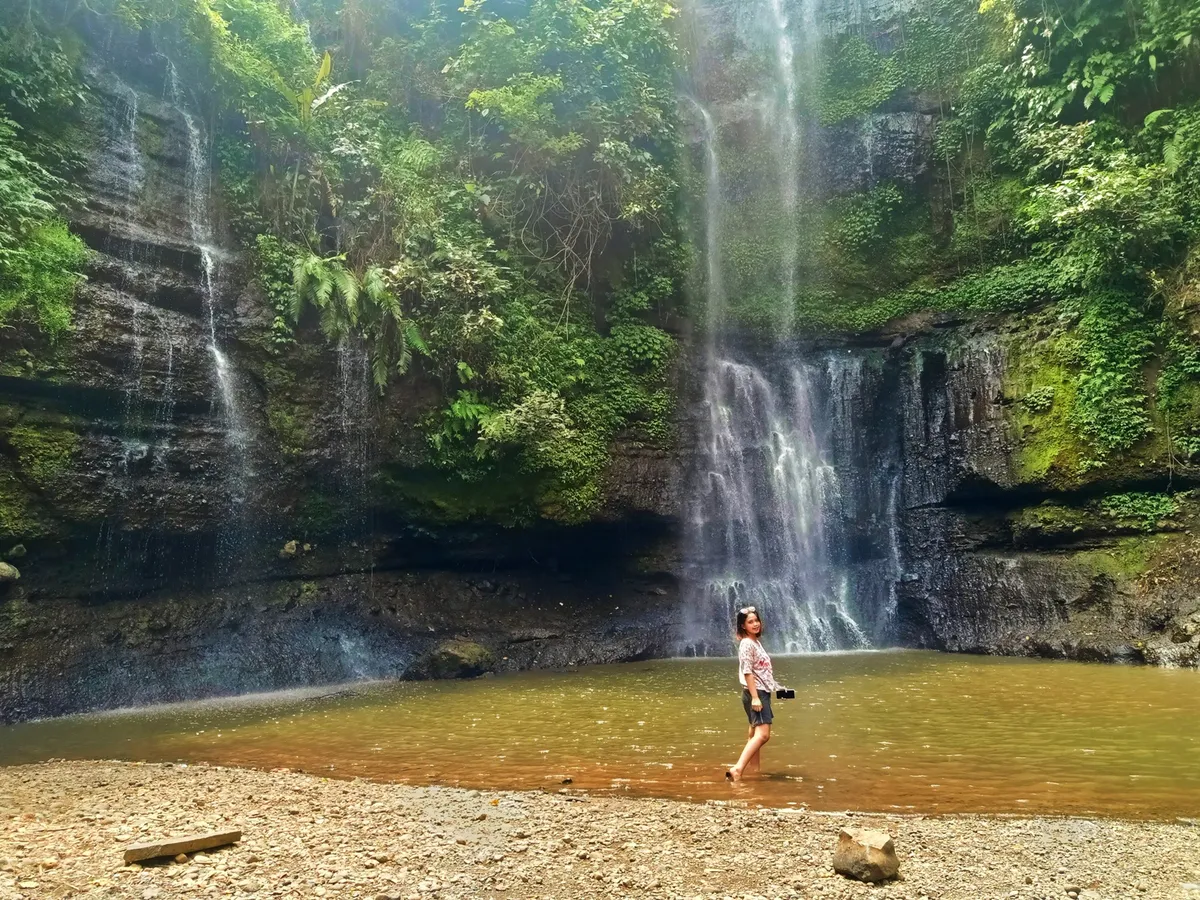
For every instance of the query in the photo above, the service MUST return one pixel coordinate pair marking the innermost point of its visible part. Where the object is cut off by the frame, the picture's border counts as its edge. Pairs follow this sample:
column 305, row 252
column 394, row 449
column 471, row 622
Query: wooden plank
column 175, row 846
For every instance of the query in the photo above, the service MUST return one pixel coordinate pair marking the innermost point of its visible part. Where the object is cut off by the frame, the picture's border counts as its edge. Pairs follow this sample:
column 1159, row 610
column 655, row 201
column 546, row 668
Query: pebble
column 436, row 847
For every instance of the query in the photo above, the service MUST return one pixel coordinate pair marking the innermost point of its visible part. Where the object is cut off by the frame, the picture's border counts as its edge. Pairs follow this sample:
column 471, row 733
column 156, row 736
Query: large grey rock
column 455, row 659
column 865, row 855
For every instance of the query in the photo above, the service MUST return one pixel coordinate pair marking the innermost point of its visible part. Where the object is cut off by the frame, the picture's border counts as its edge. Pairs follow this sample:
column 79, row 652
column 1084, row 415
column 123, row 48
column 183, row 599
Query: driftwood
column 175, row 846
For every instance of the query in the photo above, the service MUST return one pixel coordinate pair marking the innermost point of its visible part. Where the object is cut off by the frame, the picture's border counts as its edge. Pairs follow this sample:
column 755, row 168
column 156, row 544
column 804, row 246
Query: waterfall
column 198, row 177
column 765, row 487
column 792, row 509
column 123, row 149
column 767, row 510
column 127, row 171
column 354, row 395
column 714, row 287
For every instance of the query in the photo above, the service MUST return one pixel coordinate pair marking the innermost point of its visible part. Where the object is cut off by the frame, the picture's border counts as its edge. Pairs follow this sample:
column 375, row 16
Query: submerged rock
column 16, row 552
column 8, row 573
column 289, row 550
column 865, row 855
column 455, row 659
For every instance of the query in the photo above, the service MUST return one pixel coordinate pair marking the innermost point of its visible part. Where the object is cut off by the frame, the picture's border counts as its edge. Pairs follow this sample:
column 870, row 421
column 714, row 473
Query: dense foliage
column 475, row 184
column 40, row 260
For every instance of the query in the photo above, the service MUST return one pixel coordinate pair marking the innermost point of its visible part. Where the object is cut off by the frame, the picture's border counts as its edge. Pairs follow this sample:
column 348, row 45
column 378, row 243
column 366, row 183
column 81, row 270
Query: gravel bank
column 63, row 826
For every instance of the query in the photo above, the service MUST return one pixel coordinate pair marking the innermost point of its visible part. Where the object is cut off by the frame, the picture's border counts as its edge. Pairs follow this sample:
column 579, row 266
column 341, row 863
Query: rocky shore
column 64, row 825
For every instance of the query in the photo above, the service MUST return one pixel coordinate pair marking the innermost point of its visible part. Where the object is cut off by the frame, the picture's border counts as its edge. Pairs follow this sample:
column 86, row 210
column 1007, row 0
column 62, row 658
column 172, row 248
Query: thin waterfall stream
column 787, row 149
column 199, row 185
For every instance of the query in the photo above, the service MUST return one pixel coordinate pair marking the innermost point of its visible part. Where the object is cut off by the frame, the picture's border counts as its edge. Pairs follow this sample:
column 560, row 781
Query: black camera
column 785, row 694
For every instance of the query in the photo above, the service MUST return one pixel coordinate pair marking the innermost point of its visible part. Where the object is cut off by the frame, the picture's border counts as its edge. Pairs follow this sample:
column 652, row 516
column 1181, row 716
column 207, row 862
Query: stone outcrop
column 330, row 617
column 454, row 659
column 985, row 569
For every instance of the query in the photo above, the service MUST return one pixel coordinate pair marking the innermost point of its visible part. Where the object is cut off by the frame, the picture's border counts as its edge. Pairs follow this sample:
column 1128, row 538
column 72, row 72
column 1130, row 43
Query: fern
column 349, row 304
column 347, row 288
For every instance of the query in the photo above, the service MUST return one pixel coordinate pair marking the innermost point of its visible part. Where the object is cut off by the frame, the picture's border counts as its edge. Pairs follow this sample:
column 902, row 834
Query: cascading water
column 766, row 504
column 127, row 174
column 785, row 515
column 715, row 285
column 354, row 397
column 198, row 178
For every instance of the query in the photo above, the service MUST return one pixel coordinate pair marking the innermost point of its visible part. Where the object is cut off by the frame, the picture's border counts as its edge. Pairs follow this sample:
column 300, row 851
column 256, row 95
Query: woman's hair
column 743, row 614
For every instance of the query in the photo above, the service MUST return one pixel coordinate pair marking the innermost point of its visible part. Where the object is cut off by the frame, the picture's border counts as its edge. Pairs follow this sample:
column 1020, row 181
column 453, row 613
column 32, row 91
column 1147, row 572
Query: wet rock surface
column 320, row 628
column 65, row 825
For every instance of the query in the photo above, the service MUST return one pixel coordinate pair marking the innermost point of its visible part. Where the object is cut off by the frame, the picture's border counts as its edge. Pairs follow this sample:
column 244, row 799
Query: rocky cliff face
column 1001, row 559
column 192, row 515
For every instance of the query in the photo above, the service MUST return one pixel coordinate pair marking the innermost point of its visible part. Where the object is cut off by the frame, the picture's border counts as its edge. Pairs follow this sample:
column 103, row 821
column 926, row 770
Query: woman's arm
column 752, row 687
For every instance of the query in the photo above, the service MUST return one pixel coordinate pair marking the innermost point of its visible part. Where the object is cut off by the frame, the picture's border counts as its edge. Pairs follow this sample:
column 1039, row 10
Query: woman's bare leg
column 753, row 764
column 762, row 734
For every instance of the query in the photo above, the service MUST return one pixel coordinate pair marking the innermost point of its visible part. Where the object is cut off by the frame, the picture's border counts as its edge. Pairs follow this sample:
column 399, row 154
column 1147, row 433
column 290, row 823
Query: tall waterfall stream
column 772, row 489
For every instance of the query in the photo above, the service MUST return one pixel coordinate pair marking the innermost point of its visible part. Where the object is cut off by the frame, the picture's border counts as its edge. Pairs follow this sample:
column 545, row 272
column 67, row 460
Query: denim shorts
column 760, row 717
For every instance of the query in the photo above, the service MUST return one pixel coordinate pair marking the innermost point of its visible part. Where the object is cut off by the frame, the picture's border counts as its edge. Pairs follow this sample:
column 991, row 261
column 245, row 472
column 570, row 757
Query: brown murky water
column 908, row 731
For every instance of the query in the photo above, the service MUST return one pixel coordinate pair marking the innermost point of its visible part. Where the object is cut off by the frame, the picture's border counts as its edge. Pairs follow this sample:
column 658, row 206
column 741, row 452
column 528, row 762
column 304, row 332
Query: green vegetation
column 40, row 260
column 1113, row 514
column 465, row 184
column 1140, row 510
column 855, row 80
column 1065, row 180
column 1127, row 558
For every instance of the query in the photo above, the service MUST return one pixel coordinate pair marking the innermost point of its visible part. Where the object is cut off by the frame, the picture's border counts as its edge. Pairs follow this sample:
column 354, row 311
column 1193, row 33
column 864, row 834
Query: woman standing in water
column 758, row 683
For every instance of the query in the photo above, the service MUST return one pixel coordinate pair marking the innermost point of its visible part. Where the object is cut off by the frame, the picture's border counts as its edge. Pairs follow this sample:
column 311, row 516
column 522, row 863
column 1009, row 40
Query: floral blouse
column 753, row 660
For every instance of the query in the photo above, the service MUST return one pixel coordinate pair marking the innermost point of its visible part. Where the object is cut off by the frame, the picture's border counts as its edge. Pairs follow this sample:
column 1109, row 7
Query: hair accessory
column 747, row 609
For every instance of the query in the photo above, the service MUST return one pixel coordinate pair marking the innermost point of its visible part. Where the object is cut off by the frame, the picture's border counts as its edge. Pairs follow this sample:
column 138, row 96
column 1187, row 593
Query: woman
column 758, row 683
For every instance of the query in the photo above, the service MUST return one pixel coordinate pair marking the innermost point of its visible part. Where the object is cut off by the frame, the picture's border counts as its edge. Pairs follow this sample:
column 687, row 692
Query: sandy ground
column 64, row 825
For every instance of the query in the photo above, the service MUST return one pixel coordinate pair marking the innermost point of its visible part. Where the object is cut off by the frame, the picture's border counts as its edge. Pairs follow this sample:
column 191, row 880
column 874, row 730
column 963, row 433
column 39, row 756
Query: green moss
column 149, row 136
column 44, row 452
column 318, row 513
column 307, row 593
column 18, row 614
column 289, row 417
column 1127, row 558
column 289, row 425
column 1112, row 515
column 18, row 516
column 1048, row 449
column 1050, row 521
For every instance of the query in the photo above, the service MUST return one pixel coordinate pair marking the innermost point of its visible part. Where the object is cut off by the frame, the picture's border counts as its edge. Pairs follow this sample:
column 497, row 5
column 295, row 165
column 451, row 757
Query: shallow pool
column 908, row 731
